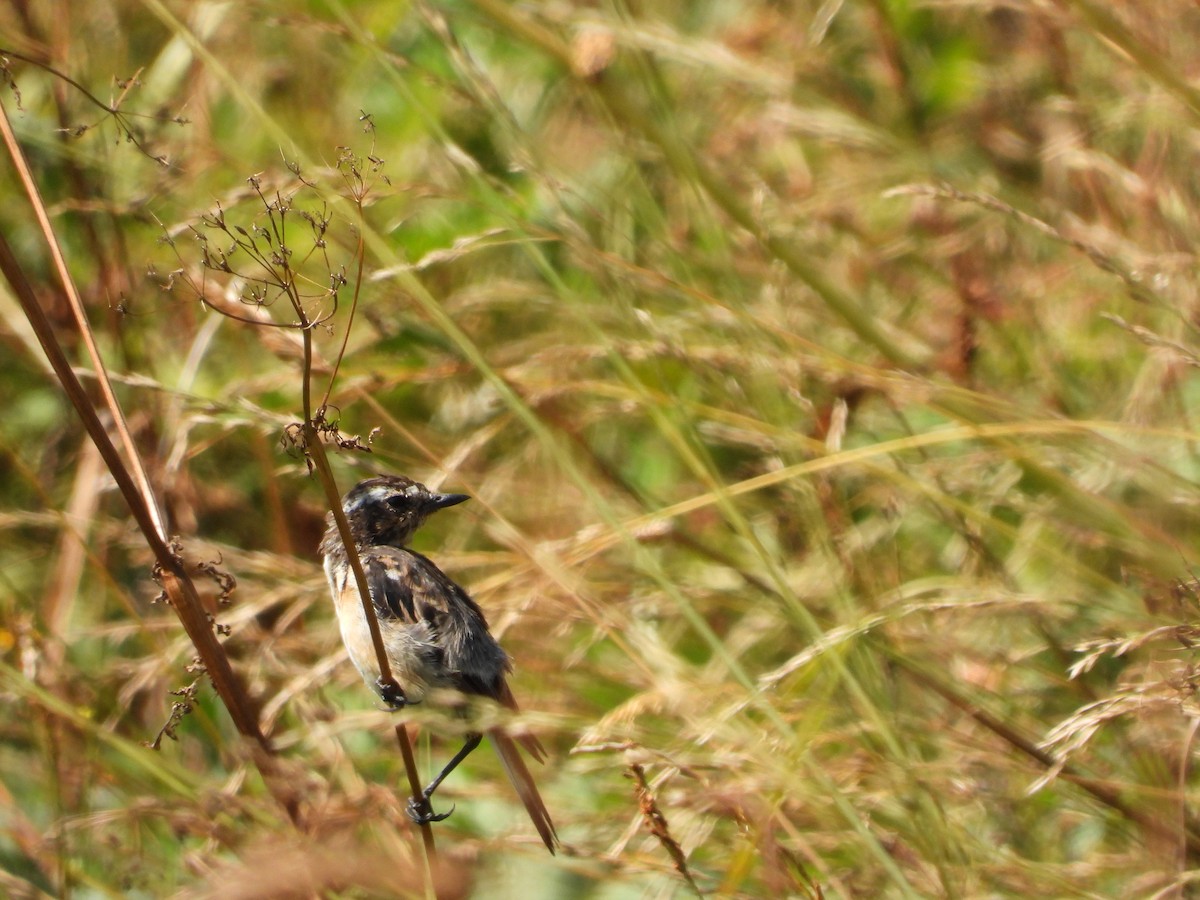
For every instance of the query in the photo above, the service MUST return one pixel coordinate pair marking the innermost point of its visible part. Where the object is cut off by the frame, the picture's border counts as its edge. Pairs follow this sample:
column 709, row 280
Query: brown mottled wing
column 391, row 590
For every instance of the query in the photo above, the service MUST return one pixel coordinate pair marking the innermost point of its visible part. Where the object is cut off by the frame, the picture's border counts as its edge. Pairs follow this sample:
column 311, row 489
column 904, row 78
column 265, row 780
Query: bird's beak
column 441, row 501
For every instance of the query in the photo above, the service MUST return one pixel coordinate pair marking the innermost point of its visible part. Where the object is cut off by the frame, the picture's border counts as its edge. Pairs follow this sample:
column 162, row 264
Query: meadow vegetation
column 822, row 375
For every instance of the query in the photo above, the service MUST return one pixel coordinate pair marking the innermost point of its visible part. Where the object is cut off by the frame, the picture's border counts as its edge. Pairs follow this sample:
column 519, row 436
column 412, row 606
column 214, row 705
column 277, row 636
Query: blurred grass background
column 823, row 374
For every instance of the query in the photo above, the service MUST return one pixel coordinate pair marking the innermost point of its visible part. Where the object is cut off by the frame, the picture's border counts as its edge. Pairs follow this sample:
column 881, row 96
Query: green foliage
column 823, row 374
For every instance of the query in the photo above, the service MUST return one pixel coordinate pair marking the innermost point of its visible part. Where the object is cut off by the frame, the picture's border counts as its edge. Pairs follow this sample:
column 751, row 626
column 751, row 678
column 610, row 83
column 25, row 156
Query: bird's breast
column 414, row 657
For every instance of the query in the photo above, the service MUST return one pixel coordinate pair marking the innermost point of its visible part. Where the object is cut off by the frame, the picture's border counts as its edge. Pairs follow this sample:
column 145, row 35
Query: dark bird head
column 389, row 508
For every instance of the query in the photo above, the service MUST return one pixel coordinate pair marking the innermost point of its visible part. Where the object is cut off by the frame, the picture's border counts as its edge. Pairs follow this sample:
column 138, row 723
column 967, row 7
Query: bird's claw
column 396, row 706
column 422, row 813
column 393, row 695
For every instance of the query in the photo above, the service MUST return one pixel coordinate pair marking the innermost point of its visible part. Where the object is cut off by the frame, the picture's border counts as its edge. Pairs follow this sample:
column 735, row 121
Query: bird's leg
column 420, row 811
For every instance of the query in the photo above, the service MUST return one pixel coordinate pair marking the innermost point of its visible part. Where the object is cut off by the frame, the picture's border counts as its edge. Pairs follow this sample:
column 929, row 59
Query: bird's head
column 387, row 509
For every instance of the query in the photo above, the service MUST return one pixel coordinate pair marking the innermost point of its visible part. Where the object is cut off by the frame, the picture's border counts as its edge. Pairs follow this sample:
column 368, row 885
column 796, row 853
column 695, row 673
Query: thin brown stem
column 392, row 691
column 76, row 304
column 337, row 363
column 175, row 580
column 414, row 785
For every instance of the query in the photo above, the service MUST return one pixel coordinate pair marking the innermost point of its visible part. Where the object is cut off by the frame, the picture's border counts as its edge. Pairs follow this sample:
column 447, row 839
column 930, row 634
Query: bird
column 436, row 637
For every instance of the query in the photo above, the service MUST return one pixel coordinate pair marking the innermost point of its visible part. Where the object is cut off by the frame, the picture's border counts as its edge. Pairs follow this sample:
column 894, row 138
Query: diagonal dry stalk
column 127, row 470
column 129, row 473
column 388, row 685
column 387, row 681
column 271, row 275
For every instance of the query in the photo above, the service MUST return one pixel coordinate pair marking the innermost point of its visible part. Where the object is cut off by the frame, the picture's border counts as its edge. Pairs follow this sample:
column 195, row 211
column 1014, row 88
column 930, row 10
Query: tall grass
column 822, row 375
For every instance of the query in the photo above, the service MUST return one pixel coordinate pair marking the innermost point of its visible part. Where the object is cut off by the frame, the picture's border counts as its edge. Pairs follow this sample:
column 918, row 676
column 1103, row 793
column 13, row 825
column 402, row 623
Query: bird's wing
column 409, row 590
column 388, row 577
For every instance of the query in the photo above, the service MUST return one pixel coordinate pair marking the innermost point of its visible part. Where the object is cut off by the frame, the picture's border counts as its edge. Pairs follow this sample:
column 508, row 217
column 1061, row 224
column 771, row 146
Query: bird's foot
column 393, row 695
column 396, row 705
column 422, row 813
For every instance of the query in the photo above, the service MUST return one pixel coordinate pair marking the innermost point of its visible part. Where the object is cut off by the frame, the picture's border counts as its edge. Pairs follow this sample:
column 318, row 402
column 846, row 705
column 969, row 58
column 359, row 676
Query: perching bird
column 434, row 634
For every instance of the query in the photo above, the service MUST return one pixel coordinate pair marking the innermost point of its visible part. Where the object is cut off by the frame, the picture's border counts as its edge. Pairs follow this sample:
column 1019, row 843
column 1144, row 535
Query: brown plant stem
column 175, row 580
column 393, row 692
column 132, row 480
column 414, row 784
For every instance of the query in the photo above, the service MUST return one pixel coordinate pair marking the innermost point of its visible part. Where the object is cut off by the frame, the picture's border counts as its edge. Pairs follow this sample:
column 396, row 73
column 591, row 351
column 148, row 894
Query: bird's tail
column 522, row 780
